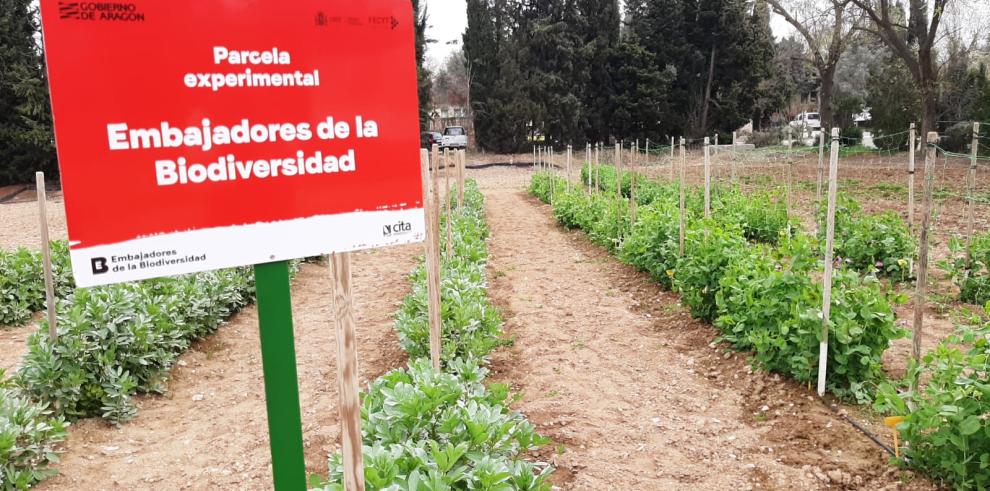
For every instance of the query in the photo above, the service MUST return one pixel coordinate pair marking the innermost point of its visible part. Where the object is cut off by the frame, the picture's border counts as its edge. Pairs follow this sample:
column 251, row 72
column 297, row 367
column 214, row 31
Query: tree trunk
column 825, row 98
column 929, row 95
column 708, row 93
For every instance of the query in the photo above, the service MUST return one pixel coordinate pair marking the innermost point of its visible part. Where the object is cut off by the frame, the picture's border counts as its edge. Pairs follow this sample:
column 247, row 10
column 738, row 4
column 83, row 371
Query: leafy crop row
column 29, row 434
column 118, row 340
column 22, row 283
column 878, row 244
column 945, row 427
column 969, row 268
column 764, row 298
column 425, row 430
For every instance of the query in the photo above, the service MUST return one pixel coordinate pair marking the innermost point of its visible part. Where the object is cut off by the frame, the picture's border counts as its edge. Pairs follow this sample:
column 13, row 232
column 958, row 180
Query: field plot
column 630, row 389
column 633, row 391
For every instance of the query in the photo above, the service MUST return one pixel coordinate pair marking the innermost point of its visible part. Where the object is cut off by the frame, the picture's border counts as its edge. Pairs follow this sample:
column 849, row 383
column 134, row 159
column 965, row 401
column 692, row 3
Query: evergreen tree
column 422, row 73
column 638, row 92
column 26, row 143
column 598, row 28
column 556, row 76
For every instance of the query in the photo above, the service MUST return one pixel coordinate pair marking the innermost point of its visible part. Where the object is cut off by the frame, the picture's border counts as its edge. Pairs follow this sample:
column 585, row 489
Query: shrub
column 945, row 424
column 851, row 135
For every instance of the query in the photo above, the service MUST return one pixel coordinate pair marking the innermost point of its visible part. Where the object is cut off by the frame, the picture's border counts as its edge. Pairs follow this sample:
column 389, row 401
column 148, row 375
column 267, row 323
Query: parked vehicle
column 454, row 137
column 810, row 121
column 428, row 138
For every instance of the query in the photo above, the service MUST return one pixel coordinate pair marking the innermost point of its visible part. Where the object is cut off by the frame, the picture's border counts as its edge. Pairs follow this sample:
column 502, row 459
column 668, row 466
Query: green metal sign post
column 278, row 359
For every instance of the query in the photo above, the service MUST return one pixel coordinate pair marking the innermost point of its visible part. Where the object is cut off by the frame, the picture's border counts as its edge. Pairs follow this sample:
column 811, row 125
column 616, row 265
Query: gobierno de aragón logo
column 100, row 11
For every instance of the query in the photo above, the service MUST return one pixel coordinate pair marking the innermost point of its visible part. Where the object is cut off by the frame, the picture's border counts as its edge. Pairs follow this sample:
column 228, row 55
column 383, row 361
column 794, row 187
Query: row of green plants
column 113, row 342
column 969, row 268
column 29, row 438
column 879, row 244
column 763, row 297
column 428, row 430
column 945, row 429
column 22, row 281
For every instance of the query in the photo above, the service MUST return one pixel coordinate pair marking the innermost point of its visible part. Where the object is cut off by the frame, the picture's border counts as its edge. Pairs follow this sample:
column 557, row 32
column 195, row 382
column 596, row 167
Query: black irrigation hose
column 502, row 164
column 8, row 197
column 859, row 427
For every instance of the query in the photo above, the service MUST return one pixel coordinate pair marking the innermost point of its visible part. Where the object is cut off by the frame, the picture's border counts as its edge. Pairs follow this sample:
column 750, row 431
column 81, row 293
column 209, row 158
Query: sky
column 448, row 19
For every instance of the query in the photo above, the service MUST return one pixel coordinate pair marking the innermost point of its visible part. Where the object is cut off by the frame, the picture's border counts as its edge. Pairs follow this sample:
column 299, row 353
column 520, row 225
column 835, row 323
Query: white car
column 454, row 137
column 810, row 121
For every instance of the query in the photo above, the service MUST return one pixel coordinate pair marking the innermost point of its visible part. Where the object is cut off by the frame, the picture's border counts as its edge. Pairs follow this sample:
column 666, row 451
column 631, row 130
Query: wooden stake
column 716, row 143
column 587, row 158
column 446, row 197
column 570, row 153
column 672, row 162
column 632, row 198
column 347, row 373
column 833, row 184
column 681, row 187
column 461, row 163
column 821, row 166
column 647, row 151
column 922, row 273
column 911, row 145
column 733, row 164
column 46, row 255
column 433, row 261
column 618, row 169
column 971, row 184
column 708, row 181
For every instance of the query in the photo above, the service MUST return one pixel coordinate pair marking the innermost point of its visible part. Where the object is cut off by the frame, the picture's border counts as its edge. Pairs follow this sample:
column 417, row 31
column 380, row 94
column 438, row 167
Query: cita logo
column 100, row 11
column 396, row 228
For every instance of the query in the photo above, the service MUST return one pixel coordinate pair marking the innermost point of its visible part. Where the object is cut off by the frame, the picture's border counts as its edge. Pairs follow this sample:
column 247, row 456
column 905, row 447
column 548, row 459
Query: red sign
column 200, row 134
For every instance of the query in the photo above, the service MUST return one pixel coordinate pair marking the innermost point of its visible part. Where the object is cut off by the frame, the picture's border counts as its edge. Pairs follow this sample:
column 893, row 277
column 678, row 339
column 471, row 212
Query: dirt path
column 211, row 431
column 628, row 385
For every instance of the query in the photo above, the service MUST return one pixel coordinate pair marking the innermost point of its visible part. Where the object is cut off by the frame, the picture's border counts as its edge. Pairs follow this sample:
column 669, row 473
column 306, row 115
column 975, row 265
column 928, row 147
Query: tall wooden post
column 570, row 153
column 433, row 255
column 672, row 162
column 618, row 169
column 591, row 167
column 708, row 181
column 632, row 198
column 446, row 197
column 716, row 143
column 920, row 299
column 46, row 255
column 971, row 184
column 833, row 178
column 347, row 373
column 461, row 163
column 681, row 188
column 734, row 158
column 911, row 145
column 647, row 151
column 821, row 166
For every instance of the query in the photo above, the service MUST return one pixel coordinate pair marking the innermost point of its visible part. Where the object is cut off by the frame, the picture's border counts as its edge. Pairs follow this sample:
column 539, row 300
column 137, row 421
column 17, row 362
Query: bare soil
column 210, row 431
column 632, row 391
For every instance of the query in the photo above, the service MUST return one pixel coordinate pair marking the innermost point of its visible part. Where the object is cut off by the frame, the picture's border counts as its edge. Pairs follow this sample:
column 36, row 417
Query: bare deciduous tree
column 827, row 26
column 914, row 43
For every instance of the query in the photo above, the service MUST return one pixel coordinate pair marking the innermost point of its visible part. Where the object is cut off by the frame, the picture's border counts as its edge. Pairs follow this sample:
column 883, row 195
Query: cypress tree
column 26, row 143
